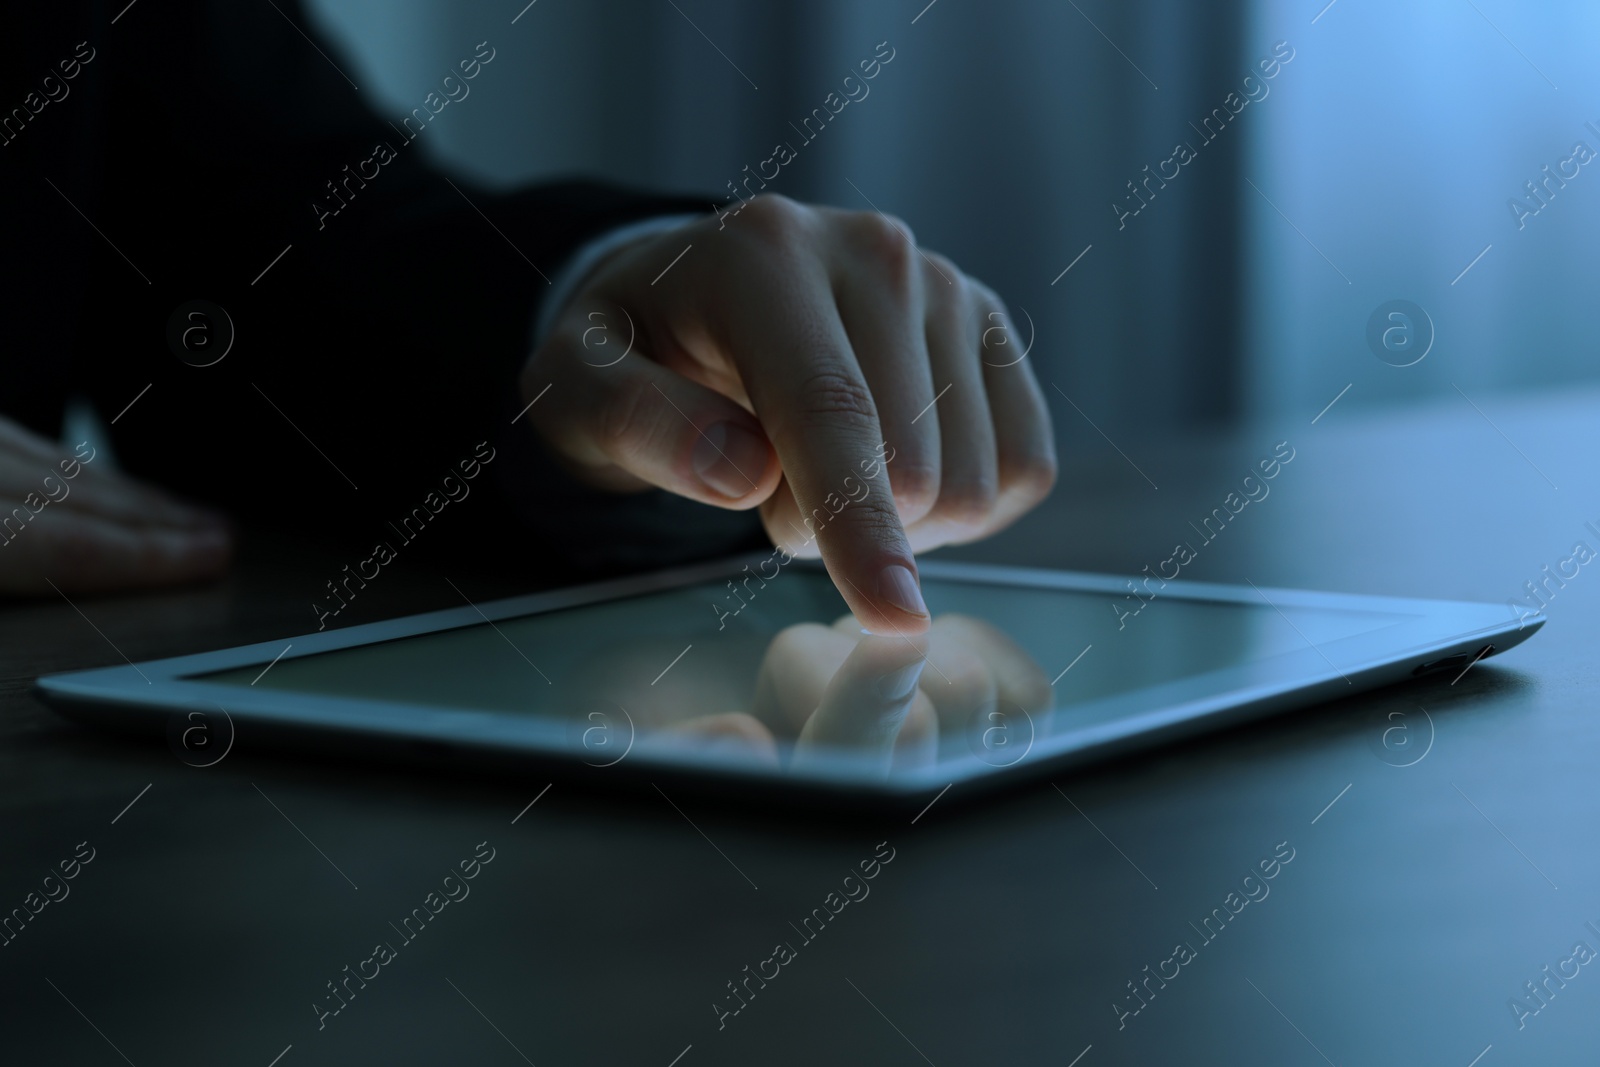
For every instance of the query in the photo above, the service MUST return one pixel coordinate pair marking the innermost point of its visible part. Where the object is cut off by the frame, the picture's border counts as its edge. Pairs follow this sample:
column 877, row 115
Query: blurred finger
column 66, row 481
column 89, row 554
column 969, row 477
column 1025, row 441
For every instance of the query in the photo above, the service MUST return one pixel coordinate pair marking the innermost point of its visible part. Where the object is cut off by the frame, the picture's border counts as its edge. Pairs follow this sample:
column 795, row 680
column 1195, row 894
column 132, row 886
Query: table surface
column 221, row 902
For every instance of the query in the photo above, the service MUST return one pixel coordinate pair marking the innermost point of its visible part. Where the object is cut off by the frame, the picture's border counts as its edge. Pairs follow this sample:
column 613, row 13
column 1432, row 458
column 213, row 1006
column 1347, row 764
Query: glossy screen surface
column 775, row 672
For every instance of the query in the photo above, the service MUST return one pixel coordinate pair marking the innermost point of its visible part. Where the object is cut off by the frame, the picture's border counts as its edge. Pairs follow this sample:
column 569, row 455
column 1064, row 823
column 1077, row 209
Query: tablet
column 749, row 675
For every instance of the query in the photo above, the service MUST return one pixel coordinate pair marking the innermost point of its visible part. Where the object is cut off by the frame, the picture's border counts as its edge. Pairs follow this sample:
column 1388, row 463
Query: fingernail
column 730, row 459
column 899, row 684
column 898, row 586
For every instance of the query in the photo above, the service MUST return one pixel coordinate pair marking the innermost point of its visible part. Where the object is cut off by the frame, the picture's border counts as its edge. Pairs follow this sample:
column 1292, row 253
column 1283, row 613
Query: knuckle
column 1036, row 475
column 951, row 308
column 832, row 397
column 1030, row 477
column 887, row 242
column 969, row 501
column 873, row 519
column 775, row 217
column 915, row 485
column 996, row 328
column 879, row 521
column 943, row 271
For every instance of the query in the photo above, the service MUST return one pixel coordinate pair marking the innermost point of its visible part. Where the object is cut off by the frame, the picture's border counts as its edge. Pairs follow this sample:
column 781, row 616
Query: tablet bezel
column 137, row 697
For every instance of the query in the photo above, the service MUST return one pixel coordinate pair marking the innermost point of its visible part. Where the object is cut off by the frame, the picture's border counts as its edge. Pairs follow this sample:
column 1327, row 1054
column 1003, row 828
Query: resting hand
column 88, row 529
column 864, row 394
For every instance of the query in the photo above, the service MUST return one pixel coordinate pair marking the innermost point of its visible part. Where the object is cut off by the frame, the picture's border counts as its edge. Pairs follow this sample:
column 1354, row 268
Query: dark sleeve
column 378, row 310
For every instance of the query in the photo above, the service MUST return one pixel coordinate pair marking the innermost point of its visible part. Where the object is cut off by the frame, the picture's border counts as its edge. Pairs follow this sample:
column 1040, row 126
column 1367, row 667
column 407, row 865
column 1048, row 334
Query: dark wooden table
column 1420, row 899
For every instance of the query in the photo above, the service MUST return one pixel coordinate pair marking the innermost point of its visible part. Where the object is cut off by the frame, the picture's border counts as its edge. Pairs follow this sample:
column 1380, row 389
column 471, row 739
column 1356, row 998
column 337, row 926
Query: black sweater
column 170, row 151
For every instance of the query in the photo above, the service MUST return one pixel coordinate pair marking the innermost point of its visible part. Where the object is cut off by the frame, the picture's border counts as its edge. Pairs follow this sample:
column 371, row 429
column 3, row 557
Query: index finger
column 783, row 332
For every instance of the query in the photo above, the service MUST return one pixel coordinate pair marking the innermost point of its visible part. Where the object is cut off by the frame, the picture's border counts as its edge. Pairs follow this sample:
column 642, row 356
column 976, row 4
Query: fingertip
column 899, row 605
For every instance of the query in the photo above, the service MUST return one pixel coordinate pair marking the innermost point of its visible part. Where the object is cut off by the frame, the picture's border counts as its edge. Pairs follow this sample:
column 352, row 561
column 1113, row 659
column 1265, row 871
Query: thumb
column 628, row 422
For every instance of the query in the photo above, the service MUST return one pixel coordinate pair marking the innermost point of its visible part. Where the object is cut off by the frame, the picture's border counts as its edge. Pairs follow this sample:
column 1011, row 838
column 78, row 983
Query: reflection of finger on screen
column 870, row 694
column 1017, row 677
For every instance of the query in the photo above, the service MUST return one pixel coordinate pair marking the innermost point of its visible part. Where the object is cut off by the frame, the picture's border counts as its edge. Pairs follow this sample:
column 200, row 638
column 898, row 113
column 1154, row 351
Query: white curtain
column 1395, row 143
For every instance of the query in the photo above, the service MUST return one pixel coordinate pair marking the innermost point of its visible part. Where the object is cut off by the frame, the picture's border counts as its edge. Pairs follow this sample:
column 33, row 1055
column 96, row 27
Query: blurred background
column 1377, row 165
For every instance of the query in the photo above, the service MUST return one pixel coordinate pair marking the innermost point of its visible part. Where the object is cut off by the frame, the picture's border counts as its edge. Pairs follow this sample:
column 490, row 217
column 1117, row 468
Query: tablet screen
column 774, row 669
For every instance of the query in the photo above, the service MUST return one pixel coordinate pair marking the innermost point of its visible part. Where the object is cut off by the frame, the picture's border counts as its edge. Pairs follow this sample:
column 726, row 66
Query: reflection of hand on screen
column 890, row 697
column 841, row 693
column 836, row 691
column 827, row 690
column 973, row 668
